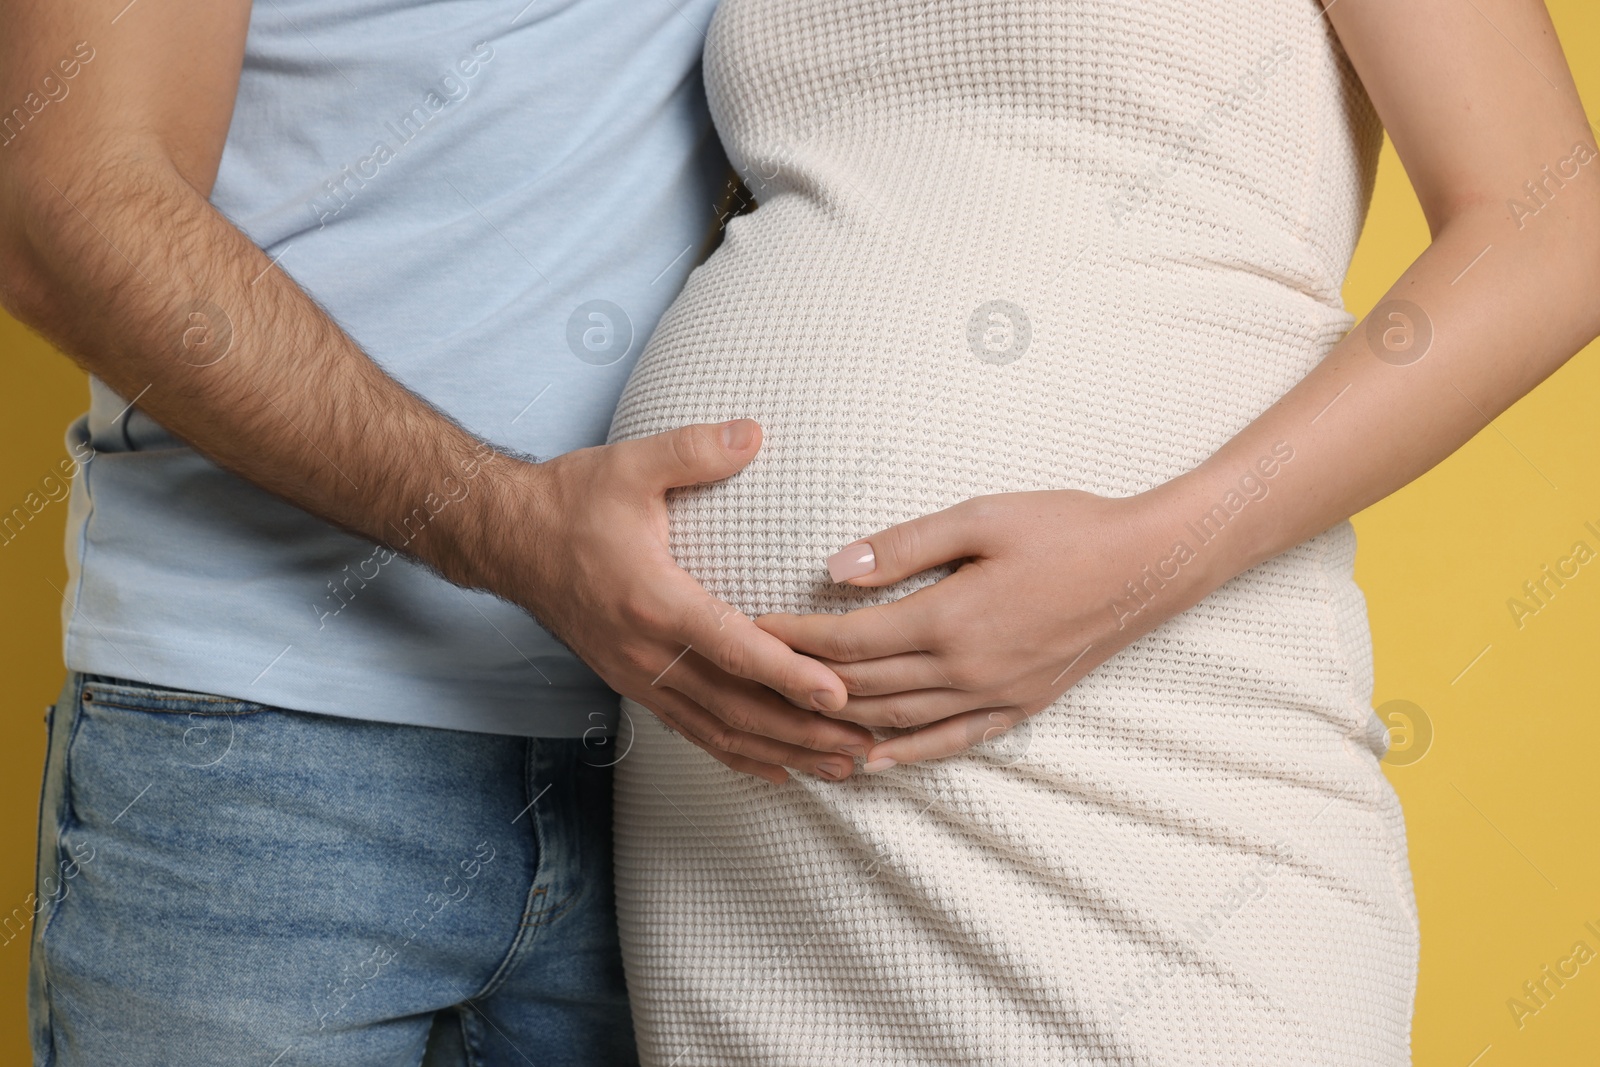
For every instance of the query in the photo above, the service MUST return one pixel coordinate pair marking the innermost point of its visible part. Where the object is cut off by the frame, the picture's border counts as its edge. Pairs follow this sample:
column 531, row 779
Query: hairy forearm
column 128, row 269
column 1373, row 415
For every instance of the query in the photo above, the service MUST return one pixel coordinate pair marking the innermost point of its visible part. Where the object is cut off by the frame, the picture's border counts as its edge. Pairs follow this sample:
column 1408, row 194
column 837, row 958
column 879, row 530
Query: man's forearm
column 109, row 247
column 138, row 278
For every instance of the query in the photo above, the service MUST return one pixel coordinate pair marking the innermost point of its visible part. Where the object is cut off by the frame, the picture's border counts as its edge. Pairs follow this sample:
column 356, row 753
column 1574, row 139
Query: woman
column 1054, row 289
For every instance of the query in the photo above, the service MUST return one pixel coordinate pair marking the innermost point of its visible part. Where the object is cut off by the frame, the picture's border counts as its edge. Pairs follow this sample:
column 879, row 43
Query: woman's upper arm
column 1475, row 95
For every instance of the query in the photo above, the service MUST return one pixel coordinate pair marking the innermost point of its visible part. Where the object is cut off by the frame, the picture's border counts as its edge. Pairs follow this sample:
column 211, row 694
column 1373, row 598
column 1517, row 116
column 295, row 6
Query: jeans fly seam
column 65, row 819
column 535, row 890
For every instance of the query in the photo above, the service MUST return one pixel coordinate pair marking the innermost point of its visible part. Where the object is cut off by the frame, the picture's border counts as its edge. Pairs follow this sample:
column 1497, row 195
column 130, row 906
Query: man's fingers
column 716, row 735
column 910, row 548
column 947, row 738
column 866, row 633
column 736, row 645
column 748, row 707
column 668, row 706
column 689, row 455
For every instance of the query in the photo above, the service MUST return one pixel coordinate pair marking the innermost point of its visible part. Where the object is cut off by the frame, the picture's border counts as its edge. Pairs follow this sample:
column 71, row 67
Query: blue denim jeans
column 222, row 882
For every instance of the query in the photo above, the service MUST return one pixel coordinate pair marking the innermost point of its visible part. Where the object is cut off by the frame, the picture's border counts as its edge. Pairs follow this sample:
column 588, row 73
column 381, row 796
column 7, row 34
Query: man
column 320, row 783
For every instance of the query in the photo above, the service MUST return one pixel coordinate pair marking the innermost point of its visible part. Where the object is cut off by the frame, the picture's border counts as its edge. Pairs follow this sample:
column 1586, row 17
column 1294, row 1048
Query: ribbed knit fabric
column 1010, row 245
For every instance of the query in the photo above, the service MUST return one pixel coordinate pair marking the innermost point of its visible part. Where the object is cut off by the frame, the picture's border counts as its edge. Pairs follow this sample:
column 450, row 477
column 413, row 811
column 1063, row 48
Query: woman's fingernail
column 851, row 561
column 882, row 763
column 738, row 434
column 822, row 700
column 832, row 769
column 858, row 751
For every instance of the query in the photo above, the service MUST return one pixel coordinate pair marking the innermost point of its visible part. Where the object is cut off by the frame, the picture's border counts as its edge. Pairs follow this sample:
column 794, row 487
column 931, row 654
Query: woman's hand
column 1054, row 584
column 1485, row 112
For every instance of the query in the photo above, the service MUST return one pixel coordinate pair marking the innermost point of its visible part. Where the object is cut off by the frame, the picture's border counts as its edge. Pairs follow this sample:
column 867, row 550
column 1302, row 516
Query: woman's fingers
column 866, row 633
column 915, row 708
column 910, row 548
column 890, row 674
column 947, row 738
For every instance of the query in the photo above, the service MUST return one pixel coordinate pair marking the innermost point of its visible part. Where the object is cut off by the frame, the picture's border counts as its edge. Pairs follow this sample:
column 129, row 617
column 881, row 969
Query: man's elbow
column 23, row 292
column 40, row 229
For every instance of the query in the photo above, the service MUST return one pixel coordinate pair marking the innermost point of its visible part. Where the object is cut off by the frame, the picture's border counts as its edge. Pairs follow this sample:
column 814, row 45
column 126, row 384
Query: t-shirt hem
column 370, row 694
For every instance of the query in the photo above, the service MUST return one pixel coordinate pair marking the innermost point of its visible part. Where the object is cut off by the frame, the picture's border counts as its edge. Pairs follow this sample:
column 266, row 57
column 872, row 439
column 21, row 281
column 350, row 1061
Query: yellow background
column 1501, row 809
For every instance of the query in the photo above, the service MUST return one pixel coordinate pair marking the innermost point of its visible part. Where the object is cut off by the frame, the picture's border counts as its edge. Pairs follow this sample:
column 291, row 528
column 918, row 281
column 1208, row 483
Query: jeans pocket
column 137, row 696
column 200, row 725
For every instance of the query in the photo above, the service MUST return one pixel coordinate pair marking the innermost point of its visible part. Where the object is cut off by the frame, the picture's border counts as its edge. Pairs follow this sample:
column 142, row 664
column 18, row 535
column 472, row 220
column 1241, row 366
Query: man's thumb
column 704, row 452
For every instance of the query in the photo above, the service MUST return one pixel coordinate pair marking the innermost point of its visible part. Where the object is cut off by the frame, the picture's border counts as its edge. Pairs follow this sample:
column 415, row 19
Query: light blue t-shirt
column 497, row 199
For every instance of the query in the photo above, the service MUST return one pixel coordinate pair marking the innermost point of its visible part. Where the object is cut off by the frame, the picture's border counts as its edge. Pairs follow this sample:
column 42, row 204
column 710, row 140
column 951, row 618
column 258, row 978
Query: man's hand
column 107, row 240
column 595, row 569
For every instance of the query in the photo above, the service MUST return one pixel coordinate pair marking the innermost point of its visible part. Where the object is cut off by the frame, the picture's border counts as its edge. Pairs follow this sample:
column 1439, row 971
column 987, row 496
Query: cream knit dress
column 1013, row 245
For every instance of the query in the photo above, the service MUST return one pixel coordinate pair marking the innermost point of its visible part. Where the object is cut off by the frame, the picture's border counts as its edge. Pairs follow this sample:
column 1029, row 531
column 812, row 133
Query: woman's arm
column 1482, row 110
column 1481, row 107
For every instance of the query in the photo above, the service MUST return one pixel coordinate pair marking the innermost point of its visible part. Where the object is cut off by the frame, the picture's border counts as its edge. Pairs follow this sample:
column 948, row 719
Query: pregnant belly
column 896, row 377
column 881, row 400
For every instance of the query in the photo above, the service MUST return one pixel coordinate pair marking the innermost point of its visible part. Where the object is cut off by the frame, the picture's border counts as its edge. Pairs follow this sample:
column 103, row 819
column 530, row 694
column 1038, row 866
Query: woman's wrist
column 1219, row 519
